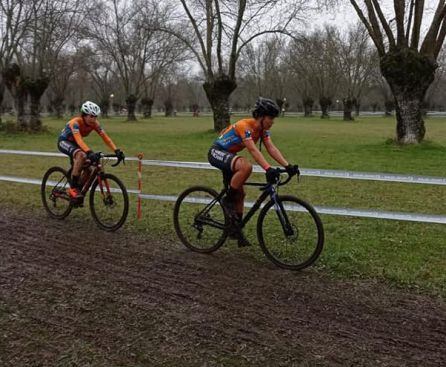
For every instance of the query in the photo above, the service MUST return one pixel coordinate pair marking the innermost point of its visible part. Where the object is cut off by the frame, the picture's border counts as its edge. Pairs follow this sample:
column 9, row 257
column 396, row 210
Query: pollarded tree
column 15, row 17
column 220, row 30
column 49, row 26
column 407, row 60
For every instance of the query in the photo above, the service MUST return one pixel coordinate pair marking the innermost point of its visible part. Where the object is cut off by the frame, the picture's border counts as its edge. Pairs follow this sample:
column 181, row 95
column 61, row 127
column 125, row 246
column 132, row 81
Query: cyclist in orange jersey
column 71, row 143
column 236, row 170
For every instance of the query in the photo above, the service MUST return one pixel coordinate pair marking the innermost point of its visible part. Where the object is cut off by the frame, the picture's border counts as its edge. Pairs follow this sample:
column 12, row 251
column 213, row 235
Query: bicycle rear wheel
column 54, row 193
column 199, row 219
column 109, row 202
column 302, row 245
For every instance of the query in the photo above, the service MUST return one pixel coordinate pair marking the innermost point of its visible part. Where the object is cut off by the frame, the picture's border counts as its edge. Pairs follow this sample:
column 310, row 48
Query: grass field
column 403, row 253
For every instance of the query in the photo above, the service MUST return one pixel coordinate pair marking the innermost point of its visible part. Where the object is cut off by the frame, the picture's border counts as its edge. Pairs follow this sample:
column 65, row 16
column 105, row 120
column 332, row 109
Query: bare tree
column 63, row 71
column 302, row 73
column 15, row 16
column 103, row 79
column 357, row 61
column 314, row 58
column 220, row 30
column 124, row 31
column 407, row 61
column 46, row 29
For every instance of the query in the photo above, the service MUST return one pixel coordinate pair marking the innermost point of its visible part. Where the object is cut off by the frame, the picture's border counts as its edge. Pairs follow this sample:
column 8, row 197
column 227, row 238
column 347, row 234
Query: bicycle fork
column 282, row 215
column 106, row 197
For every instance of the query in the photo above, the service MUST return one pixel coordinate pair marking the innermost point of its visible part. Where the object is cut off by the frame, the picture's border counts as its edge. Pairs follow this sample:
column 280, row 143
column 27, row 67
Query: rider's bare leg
column 85, row 175
column 78, row 162
column 242, row 169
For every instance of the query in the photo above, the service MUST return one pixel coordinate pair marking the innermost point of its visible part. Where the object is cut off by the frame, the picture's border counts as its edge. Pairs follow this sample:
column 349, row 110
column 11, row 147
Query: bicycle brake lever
column 114, row 165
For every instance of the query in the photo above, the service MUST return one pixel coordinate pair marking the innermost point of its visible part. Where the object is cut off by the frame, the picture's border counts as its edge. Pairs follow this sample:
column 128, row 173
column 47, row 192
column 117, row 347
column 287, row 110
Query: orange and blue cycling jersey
column 233, row 137
column 76, row 129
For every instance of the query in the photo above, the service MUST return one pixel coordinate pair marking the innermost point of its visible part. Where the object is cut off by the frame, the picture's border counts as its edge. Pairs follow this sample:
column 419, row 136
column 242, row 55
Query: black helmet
column 265, row 107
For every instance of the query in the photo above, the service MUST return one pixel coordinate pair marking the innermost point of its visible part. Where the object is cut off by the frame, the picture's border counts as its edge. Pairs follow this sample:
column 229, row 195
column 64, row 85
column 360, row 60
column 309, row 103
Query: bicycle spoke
column 54, row 192
column 199, row 220
column 294, row 243
column 109, row 203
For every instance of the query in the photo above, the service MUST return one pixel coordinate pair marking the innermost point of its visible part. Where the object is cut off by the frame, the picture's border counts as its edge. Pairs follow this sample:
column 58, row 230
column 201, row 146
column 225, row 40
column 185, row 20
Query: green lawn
column 407, row 254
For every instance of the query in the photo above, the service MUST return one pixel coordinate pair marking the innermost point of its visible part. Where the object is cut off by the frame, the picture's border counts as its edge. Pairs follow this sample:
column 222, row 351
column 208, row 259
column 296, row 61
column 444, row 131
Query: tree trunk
column 168, row 108
column 308, row 106
column 325, row 103
column 2, row 93
column 348, row 108
column 36, row 88
column 19, row 104
column 12, row 77
column 131, row 106
column 410, row 127
column 147, row 104
column 58, row 106
column 357, row 104
column 409, row 75
column 389, row 106
column 105, row 106
column 218, row 93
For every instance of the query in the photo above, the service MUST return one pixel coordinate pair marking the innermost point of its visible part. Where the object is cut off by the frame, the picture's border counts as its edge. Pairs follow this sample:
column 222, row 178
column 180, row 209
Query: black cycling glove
column 272, row 175
column 119, row 154
column 292, row 169
column 93, row 157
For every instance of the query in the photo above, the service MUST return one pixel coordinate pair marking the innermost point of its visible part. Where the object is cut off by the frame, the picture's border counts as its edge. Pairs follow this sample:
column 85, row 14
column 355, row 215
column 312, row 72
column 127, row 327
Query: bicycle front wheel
column 292, row 239
column 54, row 193
column 109, row 202
column 199, row 219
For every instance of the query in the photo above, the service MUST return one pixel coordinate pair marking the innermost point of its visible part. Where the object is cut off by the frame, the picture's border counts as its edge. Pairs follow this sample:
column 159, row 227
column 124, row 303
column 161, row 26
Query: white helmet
column 90, row 108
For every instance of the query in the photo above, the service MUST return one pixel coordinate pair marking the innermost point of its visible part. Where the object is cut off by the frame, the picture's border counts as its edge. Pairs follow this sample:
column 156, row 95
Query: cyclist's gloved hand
column 292, row 169
column 119, row 154
column 93, row 157
column 272, row 175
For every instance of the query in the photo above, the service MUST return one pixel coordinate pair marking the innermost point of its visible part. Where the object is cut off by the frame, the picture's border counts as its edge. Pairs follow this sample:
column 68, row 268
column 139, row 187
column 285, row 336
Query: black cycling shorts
column 222, row 160
column 68, row 147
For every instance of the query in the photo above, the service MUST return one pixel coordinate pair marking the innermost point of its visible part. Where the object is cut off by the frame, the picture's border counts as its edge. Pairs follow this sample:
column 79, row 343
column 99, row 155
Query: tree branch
column 419, row 8
column 399, row 6
column 219, row 35
column 200, row 39
column 233, row 56
column 428, row 45
column 385, row 24
column 409, row 21
column 377, row 40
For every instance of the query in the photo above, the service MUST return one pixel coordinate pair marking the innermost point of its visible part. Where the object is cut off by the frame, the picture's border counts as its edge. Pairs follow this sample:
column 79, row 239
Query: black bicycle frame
column 268, row 191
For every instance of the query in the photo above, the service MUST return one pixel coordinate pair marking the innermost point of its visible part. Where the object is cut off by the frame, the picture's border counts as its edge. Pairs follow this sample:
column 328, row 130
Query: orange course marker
column 138, row 210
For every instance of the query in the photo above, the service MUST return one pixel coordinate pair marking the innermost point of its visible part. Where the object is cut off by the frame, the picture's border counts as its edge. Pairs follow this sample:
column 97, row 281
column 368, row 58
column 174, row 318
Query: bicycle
column 109, row 202
column 289, row 230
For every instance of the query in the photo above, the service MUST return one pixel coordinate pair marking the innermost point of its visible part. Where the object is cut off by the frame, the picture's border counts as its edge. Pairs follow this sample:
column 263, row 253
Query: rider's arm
column 105, row 138
column 74, row 126
column 256, row 154
column 274, row 152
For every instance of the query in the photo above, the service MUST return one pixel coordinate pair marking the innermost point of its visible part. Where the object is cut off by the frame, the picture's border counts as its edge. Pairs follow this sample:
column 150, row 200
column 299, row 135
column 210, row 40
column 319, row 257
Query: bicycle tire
column 94, row 208
column 221, row 219
column 274, row 238
column 64, row 198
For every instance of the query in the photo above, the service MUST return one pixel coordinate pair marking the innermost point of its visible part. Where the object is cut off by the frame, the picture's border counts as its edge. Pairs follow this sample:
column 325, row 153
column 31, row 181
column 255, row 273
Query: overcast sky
column 341, row 16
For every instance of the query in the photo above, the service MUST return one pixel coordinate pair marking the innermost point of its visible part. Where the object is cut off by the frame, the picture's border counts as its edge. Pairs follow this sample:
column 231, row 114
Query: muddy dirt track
column 100, row 299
